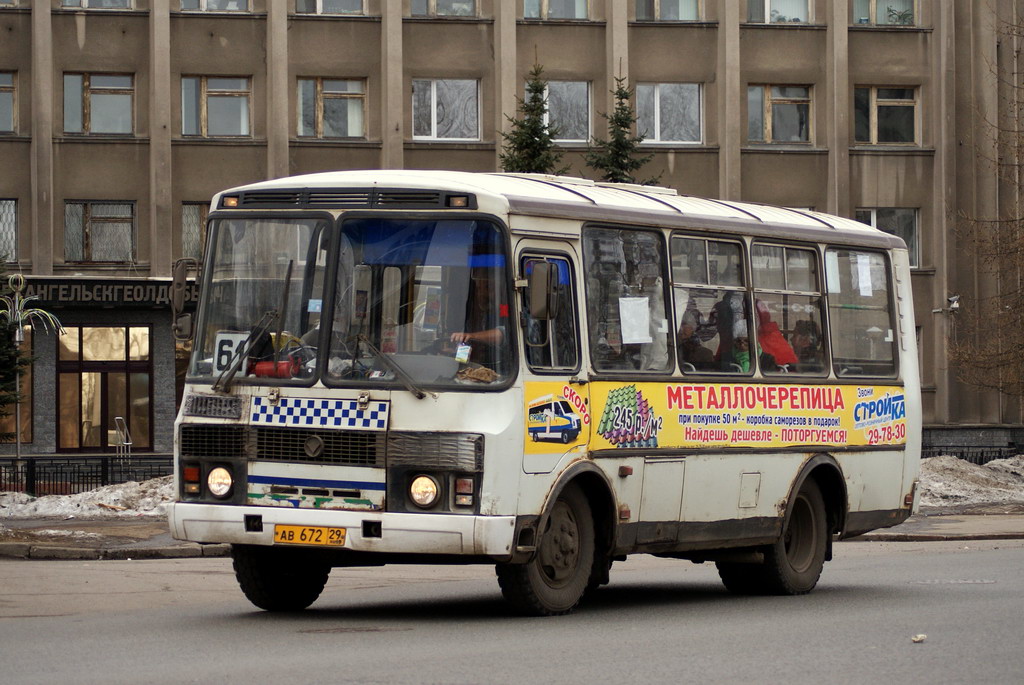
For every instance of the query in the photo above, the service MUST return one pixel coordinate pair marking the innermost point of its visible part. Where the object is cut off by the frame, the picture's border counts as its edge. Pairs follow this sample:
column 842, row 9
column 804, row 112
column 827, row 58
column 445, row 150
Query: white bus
column 541, row 373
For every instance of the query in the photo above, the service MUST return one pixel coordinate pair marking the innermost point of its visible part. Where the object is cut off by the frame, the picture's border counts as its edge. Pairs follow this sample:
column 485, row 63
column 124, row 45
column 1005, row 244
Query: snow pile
column 947, row 481
column 148, row 498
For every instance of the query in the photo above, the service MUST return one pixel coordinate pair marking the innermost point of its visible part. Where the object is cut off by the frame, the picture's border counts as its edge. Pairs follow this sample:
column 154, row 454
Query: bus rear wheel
column 794, row 563
column 278, row 581
column 554, row 581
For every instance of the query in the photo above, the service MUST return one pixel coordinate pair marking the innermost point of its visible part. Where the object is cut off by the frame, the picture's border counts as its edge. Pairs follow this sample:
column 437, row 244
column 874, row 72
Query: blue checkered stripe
column 320, row 413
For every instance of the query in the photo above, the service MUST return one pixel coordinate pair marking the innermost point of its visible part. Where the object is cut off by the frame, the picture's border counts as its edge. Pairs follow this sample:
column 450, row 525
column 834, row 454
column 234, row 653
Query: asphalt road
column 184, row 620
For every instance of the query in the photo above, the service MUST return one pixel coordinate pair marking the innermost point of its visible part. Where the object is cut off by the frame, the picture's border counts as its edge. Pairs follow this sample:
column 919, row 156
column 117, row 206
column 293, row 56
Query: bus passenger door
column 557, row 410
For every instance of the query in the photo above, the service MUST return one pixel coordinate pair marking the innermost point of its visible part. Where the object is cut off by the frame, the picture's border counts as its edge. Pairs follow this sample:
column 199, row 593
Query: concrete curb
column 24, row 550
column 927, row 537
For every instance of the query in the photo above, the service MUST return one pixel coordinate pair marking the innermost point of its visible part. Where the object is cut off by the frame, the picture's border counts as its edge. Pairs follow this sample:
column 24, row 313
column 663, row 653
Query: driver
column 485, row 332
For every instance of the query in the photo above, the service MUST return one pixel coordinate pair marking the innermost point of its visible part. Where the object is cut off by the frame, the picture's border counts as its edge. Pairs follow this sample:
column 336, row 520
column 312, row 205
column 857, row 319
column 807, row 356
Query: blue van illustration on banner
column 552, row 419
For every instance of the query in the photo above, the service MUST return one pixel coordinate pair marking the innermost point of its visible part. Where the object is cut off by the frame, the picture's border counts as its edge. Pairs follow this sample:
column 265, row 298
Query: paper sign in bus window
column 832, row 272
column 864, row 275
column 635, row 319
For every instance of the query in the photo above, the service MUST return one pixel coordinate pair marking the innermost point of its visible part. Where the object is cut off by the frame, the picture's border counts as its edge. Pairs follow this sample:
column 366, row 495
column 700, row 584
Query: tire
column 565, row 438
column 275, row 580
column 793, row 564
column 742, row 579
column 554, row 581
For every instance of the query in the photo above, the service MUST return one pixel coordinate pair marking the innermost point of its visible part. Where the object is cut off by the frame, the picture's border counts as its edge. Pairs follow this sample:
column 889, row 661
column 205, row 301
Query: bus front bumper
column 398, row 533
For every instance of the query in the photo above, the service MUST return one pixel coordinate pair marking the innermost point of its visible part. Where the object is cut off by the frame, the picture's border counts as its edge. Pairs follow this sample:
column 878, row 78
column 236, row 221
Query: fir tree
column 529, row 147
column 11, row 360
column 616, row 158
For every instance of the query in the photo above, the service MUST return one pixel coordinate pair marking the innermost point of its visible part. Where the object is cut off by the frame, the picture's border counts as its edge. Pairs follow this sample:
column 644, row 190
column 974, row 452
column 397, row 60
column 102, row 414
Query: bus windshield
column 416, row 302
column 264, row 288
column 425, row 298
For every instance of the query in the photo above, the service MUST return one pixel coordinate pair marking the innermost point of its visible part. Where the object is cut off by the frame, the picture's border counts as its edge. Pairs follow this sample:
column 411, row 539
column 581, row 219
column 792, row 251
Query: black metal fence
column 975, row 455
column 40, row 476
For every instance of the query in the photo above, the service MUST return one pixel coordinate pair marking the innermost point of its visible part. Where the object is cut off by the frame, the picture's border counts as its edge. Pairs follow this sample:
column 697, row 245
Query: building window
column 779, row 114
column 8, row 230
column 898, row 221
column 885, row 116
column 331, row 108
column 329, row 6
column 98, row 4
column 778, row 12
column 99, row 231
column 445, row 109
column 7, row 102
column 98, row 103
column 214, row 5
column 669, row 112
column 104, row 373
column 214, row 106
column 193, row 228
column 443, row 8
column 884, row 12
column 555, row 9
column 569, row 110
column 667, row 10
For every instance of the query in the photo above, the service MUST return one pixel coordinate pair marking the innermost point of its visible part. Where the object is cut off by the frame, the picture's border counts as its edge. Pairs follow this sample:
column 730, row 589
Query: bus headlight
column 423, row 491
column 219, row 482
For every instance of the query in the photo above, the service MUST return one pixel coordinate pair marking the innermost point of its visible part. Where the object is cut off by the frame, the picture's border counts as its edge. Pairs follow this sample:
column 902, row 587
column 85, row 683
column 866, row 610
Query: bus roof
column 569, row 197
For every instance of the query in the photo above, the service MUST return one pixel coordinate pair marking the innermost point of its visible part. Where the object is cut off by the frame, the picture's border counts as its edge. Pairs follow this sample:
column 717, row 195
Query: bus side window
column 787, row 309
column 625, row 291
column 712, row 325
column 552, row 343
column 860, row 316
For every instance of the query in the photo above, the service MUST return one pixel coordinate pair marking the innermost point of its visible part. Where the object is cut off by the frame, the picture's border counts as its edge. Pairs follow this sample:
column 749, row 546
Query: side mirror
column 542, row 291
column 179, row 282
column 182, row 327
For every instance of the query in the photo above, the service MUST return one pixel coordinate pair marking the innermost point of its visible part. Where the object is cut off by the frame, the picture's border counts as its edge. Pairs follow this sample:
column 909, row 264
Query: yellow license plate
column 309, row 535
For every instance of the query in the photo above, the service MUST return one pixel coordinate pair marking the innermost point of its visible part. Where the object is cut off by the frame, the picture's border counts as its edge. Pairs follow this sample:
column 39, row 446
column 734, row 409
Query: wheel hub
column 559, row 550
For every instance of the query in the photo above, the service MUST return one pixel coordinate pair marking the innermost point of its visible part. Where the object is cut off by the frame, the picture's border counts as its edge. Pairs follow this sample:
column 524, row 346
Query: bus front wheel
column 554, row 581
column 275, row 581
column 793, row 564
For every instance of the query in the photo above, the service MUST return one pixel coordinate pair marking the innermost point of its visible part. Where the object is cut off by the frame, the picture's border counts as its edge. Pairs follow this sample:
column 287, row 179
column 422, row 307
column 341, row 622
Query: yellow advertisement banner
column 690, row 415
column 556, row 412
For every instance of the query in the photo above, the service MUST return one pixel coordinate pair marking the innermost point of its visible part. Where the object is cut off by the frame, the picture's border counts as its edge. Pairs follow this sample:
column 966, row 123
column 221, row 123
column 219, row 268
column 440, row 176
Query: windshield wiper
column 223, row 382
column 399, row 372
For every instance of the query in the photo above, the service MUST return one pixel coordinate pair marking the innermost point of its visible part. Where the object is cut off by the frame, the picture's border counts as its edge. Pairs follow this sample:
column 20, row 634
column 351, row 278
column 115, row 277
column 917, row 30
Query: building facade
column 120, row 118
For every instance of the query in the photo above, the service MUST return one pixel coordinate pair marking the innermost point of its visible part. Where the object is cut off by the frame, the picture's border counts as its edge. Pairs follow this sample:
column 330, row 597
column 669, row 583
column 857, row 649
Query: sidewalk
column 143, row 537
column 938, row 527
column 147, row 537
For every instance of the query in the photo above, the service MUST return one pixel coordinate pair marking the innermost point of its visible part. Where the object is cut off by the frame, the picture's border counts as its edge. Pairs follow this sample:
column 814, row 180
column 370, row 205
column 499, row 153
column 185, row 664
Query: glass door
column 104, row 373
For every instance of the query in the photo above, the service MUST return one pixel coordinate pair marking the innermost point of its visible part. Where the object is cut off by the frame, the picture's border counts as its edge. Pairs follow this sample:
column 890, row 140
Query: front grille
column 213, row 442
column 354, row 448
column 441, row 451
column 214, row 406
